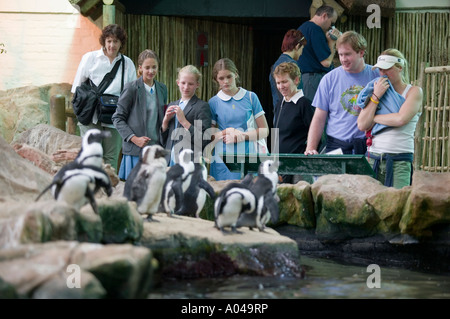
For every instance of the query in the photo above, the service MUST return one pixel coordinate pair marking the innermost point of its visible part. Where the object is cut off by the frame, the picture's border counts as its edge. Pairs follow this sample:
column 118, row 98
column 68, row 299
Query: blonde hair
column 404, row 66
column 356, row 41
column 146, row 54
column 192, row 70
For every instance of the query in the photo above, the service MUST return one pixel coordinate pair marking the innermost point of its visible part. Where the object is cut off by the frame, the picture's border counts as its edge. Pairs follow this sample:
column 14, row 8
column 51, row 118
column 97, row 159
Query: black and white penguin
column 194, row 197
column 91, row 152
column 77, row 182
column 264, row 187
column 233, row 201
column 73, row 185
column 177, row 182
column 145, row 182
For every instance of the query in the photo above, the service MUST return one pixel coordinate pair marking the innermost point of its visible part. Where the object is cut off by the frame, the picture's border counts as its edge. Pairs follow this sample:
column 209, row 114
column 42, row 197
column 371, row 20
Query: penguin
column 91, row 152
column 177, row 182
column 72, row 185
column 264, row 187
column 194, row 197
column 233, row 201
column 77, row 182
column 145, row 182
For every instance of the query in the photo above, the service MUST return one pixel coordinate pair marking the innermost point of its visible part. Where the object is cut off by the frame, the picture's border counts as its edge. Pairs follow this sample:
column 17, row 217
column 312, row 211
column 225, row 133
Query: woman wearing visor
column 390, row 111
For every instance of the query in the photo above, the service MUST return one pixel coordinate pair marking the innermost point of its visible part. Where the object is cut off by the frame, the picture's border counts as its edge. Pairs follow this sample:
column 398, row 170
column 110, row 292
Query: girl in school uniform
column 237, row 115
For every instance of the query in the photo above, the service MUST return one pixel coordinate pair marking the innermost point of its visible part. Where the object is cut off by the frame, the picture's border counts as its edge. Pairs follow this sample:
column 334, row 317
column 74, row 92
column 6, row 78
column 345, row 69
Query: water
column 323, row 279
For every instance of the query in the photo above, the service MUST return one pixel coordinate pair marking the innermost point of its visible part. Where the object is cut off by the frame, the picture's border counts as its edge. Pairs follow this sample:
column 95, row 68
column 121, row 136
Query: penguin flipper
column 178, row 193
column 247, row 179
column 44, row 191
column 208, row 188
column 272, row 205
column 90, row 195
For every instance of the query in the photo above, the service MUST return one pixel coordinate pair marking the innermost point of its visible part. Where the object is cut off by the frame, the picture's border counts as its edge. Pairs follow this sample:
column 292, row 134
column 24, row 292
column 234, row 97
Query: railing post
column 58, row 111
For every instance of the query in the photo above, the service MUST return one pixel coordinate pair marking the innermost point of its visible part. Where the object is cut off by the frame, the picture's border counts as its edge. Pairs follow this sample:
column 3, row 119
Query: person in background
column 140, row 112
column 391, row 149
column 94, row 66
column 239, row 117
column 317, row 57
column 186, row 119
column 291, row 48
column 335, row 100
column 293, row 114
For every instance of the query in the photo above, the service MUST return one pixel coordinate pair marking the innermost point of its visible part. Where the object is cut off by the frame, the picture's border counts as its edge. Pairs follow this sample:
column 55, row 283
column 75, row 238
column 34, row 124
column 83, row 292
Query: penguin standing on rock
column 77, row 182
column 194, row 197
column 72, row 185
column 234, row 200
column 178, row 179
column 264, row 186
column 145, row 183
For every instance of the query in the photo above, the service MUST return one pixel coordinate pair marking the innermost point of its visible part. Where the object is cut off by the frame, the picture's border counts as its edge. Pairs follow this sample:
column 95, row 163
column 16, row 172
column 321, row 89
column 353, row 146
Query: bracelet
column 376, row 96
column 374, row 101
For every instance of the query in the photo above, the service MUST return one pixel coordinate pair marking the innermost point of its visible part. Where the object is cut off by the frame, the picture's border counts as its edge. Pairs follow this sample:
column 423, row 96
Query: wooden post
column 109, row 13
column 58, row 111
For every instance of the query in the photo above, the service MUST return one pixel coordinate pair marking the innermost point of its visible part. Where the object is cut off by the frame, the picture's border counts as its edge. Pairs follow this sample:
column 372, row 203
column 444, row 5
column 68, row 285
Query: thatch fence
column 174, row 39
column 433, row 129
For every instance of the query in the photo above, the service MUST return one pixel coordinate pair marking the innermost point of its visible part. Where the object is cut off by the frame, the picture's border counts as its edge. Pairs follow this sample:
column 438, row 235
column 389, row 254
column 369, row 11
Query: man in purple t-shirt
column 335, row 99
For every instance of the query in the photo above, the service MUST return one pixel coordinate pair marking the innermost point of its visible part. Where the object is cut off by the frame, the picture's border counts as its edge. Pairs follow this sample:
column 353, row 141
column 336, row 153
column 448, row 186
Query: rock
column 428, row 204
column 189, row 247
column 125, row 271
column 389, row 205
column 26, row 107
column 57, row 287
column 341, row 207
column 20, row 180
column 121, row 221
column 48, row 139
column 296, row 205
column 53, row 269
column 38, row 158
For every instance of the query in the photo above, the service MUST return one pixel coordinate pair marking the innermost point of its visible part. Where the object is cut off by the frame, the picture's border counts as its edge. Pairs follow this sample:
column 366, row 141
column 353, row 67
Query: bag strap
column 109, row 77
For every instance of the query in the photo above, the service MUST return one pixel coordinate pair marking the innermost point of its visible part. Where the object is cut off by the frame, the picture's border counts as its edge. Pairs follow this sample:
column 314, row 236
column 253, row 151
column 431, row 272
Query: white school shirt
column 94, row 65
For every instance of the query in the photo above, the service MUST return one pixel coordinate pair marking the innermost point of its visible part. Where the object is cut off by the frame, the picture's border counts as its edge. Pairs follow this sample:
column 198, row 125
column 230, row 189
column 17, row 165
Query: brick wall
column 44, row 40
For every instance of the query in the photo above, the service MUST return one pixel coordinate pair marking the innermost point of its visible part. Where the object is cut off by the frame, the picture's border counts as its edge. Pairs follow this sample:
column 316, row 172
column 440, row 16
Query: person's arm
column 332, row 45
column 407, row 111
column 233, row 135
column 315, row 131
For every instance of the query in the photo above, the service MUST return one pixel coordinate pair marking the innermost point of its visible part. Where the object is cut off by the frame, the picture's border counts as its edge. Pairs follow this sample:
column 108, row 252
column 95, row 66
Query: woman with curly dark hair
column 94, row 65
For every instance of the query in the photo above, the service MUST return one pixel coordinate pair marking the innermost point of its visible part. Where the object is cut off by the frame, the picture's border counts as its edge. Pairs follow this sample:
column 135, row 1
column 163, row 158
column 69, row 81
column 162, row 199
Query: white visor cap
column 387, row 61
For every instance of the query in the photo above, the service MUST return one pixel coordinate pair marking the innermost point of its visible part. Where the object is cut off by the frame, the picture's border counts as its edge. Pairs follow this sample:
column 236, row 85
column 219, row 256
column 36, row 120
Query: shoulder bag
column 87, row 96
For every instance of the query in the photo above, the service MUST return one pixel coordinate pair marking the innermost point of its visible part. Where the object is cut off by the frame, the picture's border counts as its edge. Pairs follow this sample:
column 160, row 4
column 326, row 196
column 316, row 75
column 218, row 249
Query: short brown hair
column 356, row 41
column 114, row 30
column 287, row 68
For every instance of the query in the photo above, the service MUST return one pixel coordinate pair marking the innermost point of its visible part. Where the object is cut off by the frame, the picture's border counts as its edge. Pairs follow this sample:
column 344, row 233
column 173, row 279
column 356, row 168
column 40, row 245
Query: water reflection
column 324, row 279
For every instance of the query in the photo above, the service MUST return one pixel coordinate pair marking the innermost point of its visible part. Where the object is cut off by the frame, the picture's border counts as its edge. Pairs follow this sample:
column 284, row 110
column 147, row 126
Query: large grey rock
column 189, row 247
column 341, row 205
column 48, row 270
column 428, row 204
column 26, row 107
column 20, row 180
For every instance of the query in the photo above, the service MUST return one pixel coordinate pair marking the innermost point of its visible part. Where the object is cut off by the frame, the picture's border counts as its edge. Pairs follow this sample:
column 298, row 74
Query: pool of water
column 323, row 278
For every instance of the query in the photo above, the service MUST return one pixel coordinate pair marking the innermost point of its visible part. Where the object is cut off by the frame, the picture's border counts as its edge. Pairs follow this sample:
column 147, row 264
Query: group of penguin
column 180, row 189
